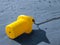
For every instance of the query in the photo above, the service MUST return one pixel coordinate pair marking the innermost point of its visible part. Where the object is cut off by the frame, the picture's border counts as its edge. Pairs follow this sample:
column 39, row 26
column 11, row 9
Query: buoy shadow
column 37, row 36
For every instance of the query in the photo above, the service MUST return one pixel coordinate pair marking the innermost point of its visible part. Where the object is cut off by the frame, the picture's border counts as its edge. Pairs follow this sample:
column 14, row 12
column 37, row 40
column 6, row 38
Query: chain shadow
column 37, row 36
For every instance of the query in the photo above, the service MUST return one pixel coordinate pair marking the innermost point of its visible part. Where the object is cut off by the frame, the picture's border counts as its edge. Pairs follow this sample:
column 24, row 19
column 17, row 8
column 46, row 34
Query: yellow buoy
column 23, row 24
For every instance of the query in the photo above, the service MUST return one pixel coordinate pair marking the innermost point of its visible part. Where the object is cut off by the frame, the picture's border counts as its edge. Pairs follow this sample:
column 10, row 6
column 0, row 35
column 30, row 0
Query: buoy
column 23, row 24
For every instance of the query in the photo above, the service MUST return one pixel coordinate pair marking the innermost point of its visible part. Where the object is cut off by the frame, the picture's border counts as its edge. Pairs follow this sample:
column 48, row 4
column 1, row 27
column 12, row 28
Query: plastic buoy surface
column 23, row 24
